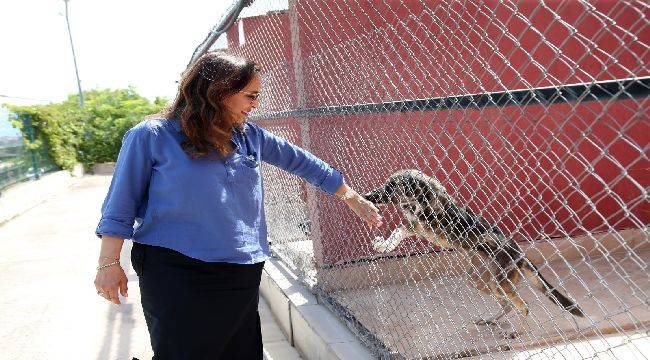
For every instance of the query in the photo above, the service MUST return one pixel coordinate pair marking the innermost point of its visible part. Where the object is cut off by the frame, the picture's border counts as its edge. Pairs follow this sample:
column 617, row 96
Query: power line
column 23, row 98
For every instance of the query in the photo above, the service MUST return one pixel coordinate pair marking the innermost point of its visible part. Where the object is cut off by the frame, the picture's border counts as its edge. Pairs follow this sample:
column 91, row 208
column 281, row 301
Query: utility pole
column 74, row 58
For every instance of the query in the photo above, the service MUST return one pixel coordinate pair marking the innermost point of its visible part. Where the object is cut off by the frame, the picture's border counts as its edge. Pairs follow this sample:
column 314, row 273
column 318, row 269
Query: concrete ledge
column 21, row 197
column 276, row 345
column 310, row 327
column 107, row 168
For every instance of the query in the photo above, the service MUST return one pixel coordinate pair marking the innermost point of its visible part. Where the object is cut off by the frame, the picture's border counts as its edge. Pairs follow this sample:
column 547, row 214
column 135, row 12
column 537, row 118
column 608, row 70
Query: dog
column 499, row 263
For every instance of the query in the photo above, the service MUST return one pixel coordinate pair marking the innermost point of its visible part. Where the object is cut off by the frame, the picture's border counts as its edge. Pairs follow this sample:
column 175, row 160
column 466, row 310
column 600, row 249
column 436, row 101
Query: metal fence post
column 27, row 123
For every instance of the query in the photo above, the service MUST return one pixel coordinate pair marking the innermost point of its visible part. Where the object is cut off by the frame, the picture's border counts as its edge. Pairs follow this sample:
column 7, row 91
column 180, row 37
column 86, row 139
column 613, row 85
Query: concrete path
column 49, row 308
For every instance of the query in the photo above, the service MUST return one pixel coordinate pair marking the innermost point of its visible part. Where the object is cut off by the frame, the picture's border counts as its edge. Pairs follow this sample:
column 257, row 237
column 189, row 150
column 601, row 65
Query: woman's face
column 243, row 102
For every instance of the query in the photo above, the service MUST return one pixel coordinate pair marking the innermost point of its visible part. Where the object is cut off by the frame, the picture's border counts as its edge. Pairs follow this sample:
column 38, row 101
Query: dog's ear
column 383, row 194
column 412, row 186
column 430, row 193
column 422, row 191
column 390, row 186
column 434, row 195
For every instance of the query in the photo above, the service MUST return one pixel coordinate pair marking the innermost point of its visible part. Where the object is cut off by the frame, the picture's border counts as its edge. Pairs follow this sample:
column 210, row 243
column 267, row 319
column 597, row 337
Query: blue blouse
column 207, row 209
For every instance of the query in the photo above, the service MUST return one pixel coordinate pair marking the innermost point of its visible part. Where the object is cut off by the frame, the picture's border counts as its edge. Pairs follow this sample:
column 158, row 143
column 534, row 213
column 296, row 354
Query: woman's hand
column 365, row 210
column 362, row 207
column 109, row 281
column 110, row 276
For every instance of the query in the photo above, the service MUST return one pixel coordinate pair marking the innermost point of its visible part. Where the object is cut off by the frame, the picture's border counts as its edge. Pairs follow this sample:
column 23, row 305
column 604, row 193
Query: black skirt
column 196, row 309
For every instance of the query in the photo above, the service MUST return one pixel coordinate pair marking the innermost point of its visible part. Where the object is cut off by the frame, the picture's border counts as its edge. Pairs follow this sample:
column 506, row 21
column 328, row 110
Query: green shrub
column 89, row 135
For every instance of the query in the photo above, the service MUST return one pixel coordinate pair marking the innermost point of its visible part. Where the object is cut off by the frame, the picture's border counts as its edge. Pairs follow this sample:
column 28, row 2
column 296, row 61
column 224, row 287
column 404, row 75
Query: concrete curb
column 21, row 197
column 310, row 327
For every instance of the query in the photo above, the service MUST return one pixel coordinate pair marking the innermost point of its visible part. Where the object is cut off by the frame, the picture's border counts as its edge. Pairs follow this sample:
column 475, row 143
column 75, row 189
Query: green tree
column 109, row 114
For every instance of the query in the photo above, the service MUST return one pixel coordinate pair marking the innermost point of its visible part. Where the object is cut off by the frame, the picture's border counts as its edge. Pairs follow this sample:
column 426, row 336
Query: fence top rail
column 620, row 89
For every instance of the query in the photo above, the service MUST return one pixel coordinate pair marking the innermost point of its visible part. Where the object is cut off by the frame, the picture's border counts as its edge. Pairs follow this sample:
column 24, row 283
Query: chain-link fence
column 18, row 161
column 533, row 118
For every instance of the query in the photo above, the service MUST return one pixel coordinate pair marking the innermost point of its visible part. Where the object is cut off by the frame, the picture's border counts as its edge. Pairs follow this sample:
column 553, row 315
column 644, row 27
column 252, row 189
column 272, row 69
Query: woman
column 192, row 179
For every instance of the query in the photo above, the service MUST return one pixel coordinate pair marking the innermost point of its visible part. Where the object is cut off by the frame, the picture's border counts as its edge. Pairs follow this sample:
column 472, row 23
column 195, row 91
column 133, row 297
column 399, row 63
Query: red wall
column 535, row 170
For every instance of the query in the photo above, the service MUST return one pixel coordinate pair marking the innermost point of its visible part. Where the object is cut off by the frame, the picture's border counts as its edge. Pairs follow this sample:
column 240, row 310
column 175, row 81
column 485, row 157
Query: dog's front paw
column 380, row 244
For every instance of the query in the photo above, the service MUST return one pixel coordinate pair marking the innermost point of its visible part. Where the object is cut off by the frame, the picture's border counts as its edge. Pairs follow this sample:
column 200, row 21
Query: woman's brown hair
column 198, row 104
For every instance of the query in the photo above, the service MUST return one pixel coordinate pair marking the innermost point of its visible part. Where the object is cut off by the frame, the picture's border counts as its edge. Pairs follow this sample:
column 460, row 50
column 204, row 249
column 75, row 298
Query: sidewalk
column 49, row 308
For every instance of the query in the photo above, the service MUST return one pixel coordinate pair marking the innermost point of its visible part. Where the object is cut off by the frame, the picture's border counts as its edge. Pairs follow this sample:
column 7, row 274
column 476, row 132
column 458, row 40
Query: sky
column 143, row 43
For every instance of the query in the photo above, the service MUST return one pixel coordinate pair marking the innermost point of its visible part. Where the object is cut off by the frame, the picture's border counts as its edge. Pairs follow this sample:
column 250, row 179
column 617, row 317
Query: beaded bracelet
column 348, row 194
column 109, row 258
column 107, row 265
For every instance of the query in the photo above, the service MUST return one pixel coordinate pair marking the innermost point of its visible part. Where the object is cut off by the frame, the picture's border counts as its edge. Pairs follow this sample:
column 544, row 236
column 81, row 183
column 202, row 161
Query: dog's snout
column 377, row 196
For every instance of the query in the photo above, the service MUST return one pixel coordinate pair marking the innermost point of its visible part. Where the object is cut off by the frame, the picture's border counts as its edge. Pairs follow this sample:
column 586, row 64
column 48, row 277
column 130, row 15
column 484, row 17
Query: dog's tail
column 552, row 293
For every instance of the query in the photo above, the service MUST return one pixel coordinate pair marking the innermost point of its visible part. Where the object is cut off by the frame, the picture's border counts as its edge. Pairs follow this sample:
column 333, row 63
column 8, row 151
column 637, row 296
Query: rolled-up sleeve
column 129, row 185
column 300, row 162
